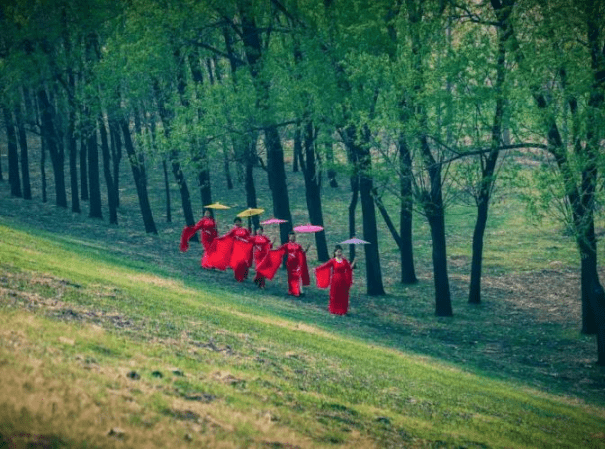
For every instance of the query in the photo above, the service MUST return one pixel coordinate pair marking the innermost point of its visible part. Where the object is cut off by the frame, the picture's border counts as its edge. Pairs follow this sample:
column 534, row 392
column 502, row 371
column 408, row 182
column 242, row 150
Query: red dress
column 262, row 245
column 296, row 265
column 339, row 276
column 234, row 250
column 208, row 227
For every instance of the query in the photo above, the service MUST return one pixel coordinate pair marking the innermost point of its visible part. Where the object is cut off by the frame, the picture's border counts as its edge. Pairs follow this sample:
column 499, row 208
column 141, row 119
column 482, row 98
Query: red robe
column 339, row 276
column 208, row 227
column 262, row 245
column 234, row 250
column 296, row 266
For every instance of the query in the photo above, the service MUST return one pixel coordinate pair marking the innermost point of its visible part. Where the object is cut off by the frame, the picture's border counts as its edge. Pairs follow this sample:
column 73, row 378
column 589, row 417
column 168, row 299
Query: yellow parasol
column 250, row 212
column 217, row 205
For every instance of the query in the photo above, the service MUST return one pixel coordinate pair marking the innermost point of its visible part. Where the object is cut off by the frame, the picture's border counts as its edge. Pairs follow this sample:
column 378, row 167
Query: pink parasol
column 308, row 228
column 355, row 241
column 273, row 221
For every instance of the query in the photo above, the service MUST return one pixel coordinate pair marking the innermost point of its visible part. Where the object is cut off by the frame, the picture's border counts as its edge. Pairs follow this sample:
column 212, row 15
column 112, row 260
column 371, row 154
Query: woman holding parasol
column 207, row 226
column 338, row 274
column 262, row 245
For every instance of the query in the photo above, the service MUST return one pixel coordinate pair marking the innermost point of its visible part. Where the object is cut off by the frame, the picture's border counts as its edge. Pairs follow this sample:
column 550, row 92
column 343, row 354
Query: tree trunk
column 277, row 181
column 72, row 148
column 116, row 157
column 433, row 207
column 43, row 152
column 352, row 209
column 167, row 189
column 54, row 149
column 22, row 137
column 13, row 154
column 360, row 154
column 313, row 190
column 94, row 181
column 251, row 199
column 330, row 159
column 408, row 272
column 83, row 170
column 139, row 180
column 296, row 149
column 111, row 191
column 226, row 168
column 597, row 302
column 443, row 305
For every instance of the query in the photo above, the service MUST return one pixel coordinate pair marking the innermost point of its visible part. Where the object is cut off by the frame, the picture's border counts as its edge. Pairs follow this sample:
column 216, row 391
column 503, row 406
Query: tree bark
column 140, row 180
column 408, row 271
column 167, row 190
column 116, row 156
column 360, row 155
column 13, row 154
column 352, row 210
column 53, row 145
column 111, row 191
column 313, row 190
column 83, row 170
column 95, row 209
column 22, row 138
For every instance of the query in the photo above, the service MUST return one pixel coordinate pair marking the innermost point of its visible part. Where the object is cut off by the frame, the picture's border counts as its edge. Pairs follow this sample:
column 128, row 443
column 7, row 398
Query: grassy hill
column 111, row 338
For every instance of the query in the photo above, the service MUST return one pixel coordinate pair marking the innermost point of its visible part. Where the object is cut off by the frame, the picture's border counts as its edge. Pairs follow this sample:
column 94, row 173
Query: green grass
column 239, row 368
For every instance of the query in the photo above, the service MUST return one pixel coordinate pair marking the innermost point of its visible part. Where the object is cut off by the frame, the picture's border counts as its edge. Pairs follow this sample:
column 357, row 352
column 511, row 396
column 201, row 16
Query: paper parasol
column 273, row 221
column 354, row 241
column 217, row 205
column 250, row 212
column 308, row 228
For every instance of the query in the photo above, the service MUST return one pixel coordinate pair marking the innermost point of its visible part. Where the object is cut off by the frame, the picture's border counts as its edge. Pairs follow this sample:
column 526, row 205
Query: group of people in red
column 239, row 250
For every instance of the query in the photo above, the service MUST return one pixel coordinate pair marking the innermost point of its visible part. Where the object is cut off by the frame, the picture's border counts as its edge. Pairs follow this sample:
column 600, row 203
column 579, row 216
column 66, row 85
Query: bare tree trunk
column 53, row 146
column 111, row 191
column 22, row 137
column 167, row 189
column 360, row 155
column 95, row 210
column 408, row 272
column 313, row 190
column 140, row 180
column 13, row 154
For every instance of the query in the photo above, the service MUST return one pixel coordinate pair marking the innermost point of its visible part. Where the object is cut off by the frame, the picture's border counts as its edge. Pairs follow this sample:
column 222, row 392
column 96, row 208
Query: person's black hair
column 236, row 219
column 291, row 233
column 336, row 248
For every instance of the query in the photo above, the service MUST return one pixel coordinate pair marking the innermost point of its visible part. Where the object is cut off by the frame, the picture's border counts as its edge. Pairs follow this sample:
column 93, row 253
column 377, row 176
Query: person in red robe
column 207, row 226
column 233, row 249
column 262, row 245
column 338, row 274
column 296, row 265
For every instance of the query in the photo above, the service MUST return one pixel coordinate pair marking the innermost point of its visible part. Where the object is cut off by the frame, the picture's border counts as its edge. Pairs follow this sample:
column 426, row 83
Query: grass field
column 112, row 338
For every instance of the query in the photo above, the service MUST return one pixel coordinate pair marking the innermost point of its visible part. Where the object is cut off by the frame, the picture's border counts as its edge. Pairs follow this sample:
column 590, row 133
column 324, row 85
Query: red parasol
column 308, row 228
column 273, row 221
column 354, row 241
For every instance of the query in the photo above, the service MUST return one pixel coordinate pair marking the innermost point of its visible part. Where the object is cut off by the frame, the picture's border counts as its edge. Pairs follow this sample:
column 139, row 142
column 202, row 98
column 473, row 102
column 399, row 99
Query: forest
column 414, row 104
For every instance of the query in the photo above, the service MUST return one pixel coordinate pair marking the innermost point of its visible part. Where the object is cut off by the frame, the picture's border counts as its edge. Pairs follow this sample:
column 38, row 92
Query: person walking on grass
column 296, row 265
column 337, row 273
column 262, row 245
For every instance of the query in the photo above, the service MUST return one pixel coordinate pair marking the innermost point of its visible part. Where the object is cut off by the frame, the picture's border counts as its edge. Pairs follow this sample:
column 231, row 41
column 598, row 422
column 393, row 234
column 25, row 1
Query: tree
column 581, row 85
